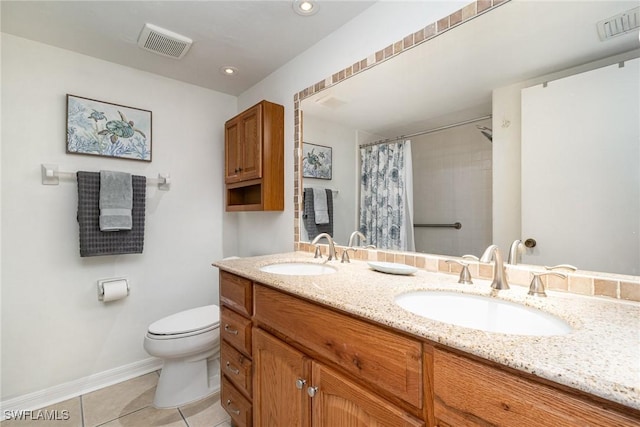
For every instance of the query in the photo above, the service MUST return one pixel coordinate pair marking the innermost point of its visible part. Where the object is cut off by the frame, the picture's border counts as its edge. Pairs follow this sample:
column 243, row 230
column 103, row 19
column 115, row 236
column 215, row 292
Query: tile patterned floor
column 128, row 404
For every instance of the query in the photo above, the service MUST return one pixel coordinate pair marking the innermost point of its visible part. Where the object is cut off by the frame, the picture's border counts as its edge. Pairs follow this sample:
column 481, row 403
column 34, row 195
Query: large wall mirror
column 523, row 124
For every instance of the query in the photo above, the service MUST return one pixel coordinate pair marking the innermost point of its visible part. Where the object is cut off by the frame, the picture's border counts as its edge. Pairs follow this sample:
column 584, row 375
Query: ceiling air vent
column 163, row 42
column 619, row 24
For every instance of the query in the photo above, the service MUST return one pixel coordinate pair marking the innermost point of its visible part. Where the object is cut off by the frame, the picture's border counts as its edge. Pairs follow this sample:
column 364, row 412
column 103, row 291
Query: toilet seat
column 186, row 323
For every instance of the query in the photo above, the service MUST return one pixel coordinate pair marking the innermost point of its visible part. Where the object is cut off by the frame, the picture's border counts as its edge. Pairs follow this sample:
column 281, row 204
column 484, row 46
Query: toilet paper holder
column 103, row 282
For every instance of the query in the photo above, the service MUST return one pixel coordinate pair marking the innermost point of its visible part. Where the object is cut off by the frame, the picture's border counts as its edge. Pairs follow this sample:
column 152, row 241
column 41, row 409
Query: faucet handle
column 472, row 257
column 536, row 288
column 563, row 266
column 345, row 254
column 465, row 275
column 318, row 252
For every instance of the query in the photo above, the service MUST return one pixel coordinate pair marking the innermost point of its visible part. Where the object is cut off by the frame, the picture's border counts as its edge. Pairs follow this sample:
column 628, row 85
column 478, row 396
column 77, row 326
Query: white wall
column 342, row 140
column 54, row 329
column 382, row 24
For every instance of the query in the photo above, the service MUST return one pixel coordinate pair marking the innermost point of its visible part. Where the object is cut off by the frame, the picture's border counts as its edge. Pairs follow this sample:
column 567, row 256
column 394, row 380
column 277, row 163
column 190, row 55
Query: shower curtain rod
column 424, row 132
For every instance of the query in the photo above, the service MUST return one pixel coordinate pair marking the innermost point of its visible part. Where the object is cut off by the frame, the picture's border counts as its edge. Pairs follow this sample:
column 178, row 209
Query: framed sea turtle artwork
column 106, row 129
column 316, row 161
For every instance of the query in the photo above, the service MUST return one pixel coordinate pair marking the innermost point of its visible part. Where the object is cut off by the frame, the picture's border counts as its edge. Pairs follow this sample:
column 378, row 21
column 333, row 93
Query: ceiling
column 450, row 78
column 256, row 37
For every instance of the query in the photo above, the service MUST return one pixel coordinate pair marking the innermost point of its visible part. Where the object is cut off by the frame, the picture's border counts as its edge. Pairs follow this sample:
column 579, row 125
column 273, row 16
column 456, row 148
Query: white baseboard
column 62, row 392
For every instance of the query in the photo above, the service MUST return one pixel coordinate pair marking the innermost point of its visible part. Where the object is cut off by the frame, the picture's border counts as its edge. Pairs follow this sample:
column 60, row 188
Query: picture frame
column 105, row 129
column 317, row 161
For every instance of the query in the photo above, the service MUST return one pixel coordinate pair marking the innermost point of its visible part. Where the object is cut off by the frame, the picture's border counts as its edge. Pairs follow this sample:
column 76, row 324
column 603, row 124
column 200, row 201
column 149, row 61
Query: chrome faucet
column 332, row 246
column 499, row 275
column 513, row 252
column 354, row 238
column 486, row 255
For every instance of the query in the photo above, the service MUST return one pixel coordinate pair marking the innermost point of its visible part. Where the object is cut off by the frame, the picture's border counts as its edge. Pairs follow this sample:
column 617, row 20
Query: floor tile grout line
column 183, row 417
column 81, row 410
column 122, row 416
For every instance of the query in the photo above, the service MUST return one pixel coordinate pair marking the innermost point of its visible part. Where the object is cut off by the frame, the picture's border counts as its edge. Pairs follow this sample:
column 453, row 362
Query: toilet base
column 183, row 381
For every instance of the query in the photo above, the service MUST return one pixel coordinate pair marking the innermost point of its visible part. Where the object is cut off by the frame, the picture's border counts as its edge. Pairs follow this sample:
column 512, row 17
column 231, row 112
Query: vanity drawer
column 236, row 330
column 470, row 393
column 236, row 293
column 236, row 405
column 388, row 361
column 237, row 367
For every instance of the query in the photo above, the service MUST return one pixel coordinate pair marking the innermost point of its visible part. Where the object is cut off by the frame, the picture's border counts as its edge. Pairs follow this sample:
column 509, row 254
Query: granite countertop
column 601, row 356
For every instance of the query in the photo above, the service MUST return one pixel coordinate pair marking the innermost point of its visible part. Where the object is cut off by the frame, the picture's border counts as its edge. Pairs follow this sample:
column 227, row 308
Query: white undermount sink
column 298, row 269
column 483, row 313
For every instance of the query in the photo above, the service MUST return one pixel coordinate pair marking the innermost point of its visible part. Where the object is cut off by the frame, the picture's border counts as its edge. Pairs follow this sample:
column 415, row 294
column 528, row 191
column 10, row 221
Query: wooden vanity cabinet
column 254, row 159
column 301, row 387
column 236, row 361
column 277, row 348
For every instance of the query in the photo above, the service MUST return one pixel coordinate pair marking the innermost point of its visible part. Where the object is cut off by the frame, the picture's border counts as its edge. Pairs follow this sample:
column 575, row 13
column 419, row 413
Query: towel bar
column 51, row 176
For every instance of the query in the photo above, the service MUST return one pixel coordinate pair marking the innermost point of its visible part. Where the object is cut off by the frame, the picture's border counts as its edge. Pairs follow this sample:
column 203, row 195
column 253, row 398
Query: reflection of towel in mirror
column 309, row 215
column 116, row 201
column 320, row 206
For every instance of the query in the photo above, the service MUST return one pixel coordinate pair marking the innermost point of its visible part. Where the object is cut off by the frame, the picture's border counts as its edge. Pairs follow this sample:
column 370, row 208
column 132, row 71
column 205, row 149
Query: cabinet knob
column 233, row 370
column 311, row 391
column 300, row 383
column 230, row 331
column 235, row 411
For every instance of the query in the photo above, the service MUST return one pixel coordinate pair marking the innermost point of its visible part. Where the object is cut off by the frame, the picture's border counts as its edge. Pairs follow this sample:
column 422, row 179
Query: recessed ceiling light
column 229, row 71
column 305, row 7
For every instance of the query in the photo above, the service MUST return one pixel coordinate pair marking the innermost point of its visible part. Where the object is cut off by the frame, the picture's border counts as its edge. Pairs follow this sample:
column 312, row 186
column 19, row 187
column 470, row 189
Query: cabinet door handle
column 235, row 411
column 300, row 383
column 311, row 391
column 228, row 329
column 233, row 370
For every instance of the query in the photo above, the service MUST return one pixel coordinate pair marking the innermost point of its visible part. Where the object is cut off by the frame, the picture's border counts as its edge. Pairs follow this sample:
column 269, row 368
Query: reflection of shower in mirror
column 488, row 133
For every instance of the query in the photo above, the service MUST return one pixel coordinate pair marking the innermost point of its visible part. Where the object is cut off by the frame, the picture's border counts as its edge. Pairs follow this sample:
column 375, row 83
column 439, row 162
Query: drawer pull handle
column 311, row 391
column 229, row 330
column 232, row 369
column 300, row 383
column 235, row 411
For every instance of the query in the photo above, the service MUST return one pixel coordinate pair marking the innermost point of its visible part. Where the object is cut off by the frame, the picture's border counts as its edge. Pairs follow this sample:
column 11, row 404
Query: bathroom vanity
column 333, row 349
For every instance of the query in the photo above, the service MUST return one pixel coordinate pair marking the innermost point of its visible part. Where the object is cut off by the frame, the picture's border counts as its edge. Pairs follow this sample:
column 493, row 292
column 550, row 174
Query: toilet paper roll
column 115, row 290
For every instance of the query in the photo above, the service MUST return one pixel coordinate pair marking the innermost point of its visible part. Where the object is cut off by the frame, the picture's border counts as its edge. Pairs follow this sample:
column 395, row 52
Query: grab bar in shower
column 456, row 225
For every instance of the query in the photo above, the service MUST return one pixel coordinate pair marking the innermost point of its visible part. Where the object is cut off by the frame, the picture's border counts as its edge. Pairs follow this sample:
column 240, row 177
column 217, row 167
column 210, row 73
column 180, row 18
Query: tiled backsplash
column 580, row 282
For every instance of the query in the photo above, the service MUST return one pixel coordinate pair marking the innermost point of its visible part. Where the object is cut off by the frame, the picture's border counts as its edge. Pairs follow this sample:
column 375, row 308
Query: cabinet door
column 251, row 143
column 339, row 402
column 233, row 154
column 280, row 400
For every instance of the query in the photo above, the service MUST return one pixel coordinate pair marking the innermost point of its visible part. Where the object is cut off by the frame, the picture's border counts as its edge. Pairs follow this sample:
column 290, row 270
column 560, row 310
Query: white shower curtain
column 386, row 195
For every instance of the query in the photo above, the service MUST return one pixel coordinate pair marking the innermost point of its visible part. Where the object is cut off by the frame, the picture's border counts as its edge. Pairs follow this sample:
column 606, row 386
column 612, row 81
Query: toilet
column 189, row 344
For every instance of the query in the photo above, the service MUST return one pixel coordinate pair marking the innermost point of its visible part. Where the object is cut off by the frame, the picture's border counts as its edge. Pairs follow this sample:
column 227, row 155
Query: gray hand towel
column 320, row 205
column 309, row 215
column 116, row 201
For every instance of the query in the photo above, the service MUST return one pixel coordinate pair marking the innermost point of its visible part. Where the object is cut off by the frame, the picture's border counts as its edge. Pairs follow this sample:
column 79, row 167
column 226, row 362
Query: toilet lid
column 186, row 321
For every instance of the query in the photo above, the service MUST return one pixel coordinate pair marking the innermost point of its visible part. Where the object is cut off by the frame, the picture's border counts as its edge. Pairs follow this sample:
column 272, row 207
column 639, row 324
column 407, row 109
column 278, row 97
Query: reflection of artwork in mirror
column 316, row 161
